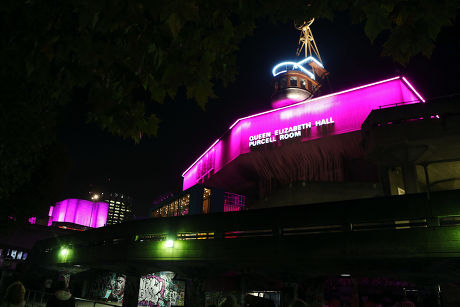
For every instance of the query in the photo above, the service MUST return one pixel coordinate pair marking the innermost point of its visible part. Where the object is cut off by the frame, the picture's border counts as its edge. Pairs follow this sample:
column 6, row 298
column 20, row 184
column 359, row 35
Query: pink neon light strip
column 314, row 99
column 210, row 147
column 303, row 102
column 413, row 89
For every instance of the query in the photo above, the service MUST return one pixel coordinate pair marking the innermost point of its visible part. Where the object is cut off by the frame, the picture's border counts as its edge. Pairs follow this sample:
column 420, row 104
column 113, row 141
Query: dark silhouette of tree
column 112, row 60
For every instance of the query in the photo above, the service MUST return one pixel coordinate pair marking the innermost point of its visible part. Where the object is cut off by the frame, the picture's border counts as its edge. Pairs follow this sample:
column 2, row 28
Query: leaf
column 174, row 24
column 377, row 21
column 201, row 92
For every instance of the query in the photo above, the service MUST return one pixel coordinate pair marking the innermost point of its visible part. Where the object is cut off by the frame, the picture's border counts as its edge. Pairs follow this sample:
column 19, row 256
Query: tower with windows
column 120, row 206
column 296, row 81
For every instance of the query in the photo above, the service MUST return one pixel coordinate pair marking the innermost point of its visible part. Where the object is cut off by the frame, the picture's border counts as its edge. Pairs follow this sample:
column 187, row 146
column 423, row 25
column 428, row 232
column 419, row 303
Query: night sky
column 146, row 171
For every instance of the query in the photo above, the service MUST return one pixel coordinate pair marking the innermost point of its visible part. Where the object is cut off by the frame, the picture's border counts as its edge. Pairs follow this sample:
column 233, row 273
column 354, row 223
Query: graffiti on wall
column 159, row 290
column 109, row 286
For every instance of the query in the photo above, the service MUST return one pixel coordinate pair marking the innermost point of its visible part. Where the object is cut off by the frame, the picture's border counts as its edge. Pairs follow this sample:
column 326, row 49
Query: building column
column 195, row 292
column 314, row 292
column 131, row 293
column 410, row 177
column 385, row 180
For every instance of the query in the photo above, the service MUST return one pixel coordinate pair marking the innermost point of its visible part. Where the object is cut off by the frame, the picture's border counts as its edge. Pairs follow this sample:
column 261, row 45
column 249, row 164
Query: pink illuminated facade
column 334, row 114
column 81, row 212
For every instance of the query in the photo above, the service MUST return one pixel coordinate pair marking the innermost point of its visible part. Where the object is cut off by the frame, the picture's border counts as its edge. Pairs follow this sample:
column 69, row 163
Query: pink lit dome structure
column 79, row 212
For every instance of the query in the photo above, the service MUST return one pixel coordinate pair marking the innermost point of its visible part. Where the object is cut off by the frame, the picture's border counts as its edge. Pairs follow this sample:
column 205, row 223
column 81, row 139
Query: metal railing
column 81, row 302
column 394, row 215
column 35, row 298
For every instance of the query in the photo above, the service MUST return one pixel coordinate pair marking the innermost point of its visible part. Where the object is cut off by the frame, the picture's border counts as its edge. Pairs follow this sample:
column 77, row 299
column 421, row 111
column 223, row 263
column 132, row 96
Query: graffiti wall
column 109, row 286
column 159, row 290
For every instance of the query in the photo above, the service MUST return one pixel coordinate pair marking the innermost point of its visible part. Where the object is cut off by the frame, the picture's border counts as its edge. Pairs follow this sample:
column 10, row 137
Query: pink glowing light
column 348, row 109
column 207, row 150
column 314, row 99
column 81, row 212
column 413, row 89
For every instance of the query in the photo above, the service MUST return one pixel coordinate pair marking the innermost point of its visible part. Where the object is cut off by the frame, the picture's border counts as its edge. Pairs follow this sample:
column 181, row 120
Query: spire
column 307, row 41
column 301, row 79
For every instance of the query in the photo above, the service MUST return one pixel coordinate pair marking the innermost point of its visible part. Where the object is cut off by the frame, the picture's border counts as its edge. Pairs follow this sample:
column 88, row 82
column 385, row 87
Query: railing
column 414, row 212
column 81, row 302
column 234, row 202
column 36, row 298
column 391, row 105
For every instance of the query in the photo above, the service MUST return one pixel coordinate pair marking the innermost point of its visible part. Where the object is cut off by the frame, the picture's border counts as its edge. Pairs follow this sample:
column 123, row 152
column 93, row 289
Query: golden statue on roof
column 307, row 41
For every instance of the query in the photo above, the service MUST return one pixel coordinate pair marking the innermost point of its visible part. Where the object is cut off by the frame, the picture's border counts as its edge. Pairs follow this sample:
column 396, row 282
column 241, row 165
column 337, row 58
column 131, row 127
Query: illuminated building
column 341, row 157
column 310, row 148
column 120, row 207
column 199, row 200
column 78, row 214
column 314, row 140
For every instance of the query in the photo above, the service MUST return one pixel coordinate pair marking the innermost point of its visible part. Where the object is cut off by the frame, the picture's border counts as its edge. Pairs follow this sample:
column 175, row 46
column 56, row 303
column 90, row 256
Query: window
column 283, row 82
column 303, row 84
column 184, row 204
column 293, row 81
column 206, row 165
column 177, row 207
column 206, row 201
column 234, row 202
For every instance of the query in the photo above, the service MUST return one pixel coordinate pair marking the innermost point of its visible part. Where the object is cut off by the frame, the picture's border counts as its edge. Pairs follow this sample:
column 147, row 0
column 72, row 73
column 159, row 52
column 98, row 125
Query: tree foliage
column 120, row 56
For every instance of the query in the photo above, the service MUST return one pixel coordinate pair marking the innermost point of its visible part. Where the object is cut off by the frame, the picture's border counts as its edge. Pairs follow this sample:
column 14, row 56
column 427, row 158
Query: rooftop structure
column 299, row 80
column 78, row 212
column 276, row 144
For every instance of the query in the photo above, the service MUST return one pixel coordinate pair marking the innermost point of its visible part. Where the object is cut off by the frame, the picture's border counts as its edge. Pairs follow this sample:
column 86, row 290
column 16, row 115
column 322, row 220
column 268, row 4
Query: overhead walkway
column 401, row 233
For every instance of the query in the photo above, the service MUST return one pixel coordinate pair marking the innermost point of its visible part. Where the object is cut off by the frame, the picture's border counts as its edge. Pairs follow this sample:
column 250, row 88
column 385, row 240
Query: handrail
column 41, row 294
column 395, row 212
column 96, row 302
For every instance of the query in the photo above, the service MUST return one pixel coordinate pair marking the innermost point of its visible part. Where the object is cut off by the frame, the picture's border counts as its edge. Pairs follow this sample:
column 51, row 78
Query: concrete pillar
column 449, row 294
column 196, row 200
column 354, row 293
column 410, row 177
column 131, row 290
column 195, row 293
column 217, row 200
column 314, row 292
column 288, row 294
column 385, row 180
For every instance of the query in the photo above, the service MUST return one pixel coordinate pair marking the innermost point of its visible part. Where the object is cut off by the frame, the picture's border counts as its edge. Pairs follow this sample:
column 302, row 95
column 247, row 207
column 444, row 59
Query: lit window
column 303, row 84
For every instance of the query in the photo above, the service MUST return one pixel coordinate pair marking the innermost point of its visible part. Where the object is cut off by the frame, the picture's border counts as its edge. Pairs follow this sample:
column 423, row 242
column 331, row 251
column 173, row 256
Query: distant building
column 78, row 214
column 120, row 206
